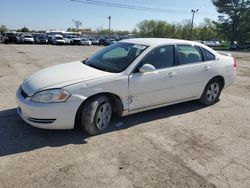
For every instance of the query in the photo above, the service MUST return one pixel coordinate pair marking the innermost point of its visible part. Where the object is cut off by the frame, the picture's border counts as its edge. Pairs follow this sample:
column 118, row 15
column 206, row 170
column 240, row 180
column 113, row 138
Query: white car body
column 67, row 40
column 28, row 39
column 86, row 42
column 58, row 39
column 135, row 91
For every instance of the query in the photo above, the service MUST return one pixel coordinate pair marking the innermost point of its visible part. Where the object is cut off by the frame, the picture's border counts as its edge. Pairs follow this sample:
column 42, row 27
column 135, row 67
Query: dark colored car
column 245, row 45
column 76, row 41
column 41, row 39
column 241, row 46
column 50, row 39
column 11, row 38
column 104, row 42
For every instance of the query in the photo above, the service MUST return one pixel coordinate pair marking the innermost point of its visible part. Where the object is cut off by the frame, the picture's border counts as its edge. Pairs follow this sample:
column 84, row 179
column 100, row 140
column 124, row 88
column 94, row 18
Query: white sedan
column 28, row 39
column 127, row 77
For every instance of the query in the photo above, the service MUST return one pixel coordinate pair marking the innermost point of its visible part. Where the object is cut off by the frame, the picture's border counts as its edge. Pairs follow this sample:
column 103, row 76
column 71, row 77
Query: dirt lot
column 184, row 145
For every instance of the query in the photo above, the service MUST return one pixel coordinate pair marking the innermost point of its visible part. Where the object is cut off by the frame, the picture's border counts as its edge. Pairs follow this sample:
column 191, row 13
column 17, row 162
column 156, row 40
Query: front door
column 157, row 87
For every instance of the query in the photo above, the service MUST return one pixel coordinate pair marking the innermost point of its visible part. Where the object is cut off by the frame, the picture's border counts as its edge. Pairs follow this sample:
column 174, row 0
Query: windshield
column 59, row 38
column 42, row 37
column 115, row 58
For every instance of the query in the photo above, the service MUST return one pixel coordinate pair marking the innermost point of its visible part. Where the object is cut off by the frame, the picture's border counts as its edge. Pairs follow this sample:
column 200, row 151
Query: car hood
column 59, row 76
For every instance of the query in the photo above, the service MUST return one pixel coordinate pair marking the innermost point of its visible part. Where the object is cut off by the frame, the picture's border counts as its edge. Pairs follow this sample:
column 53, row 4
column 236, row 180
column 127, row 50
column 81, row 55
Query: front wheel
column 211, row 92
column 96, row 115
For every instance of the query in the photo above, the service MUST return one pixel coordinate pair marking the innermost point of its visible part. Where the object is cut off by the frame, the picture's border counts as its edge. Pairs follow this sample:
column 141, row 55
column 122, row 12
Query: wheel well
column 221, row 79
column 116, row 104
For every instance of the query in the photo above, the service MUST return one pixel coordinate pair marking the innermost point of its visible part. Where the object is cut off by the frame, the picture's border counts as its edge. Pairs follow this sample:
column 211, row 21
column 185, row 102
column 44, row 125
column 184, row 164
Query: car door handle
column 207, row 68
column 171, row 74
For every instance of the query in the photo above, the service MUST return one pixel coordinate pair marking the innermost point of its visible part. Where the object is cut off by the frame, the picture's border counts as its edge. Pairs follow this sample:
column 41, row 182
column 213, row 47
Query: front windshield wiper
column 94, row 66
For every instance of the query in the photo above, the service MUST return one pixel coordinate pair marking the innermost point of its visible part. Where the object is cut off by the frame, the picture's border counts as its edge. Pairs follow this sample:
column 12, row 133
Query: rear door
column 193, row 72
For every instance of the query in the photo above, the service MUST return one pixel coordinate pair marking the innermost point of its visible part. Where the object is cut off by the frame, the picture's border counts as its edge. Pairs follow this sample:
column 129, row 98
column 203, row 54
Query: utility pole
column 192, row 24
column 109, row 26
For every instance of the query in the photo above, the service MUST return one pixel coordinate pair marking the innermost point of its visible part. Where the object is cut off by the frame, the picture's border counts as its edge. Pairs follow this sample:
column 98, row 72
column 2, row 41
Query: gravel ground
column 184, row 145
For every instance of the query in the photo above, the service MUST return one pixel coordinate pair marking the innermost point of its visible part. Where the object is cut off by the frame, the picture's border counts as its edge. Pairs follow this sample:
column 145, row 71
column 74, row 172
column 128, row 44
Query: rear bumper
column 47, row 116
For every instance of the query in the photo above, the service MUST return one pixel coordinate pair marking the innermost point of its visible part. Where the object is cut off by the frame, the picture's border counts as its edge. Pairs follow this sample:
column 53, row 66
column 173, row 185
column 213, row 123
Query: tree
column 71, row 29
column 24, row 30
column 153, row 28
column 206, row 30
column 234, row 18
column 182, row 30
column 3, row 29
column 78, row 24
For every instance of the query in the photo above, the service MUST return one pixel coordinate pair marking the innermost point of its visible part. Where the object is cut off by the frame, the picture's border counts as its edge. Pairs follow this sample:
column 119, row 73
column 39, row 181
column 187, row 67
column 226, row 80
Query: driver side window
column 160, row 58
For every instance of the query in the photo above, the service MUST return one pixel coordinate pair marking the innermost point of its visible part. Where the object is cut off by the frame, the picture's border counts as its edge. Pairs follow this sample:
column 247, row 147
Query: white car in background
column 27, row 39
column 127, row 77
column 86, row 42
column 58, row 39
column 67, row 39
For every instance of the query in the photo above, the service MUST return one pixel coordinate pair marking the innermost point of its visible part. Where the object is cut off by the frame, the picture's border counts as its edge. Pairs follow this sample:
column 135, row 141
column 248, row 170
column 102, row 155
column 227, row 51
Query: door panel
column 151, row 88
column 170, row 82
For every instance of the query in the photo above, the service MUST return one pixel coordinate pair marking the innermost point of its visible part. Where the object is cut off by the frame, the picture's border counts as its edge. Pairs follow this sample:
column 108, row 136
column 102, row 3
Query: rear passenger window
column 189, row 54
column 208, row 56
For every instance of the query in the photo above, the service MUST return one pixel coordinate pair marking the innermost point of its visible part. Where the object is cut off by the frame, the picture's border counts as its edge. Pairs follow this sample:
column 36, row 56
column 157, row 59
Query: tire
column 211, row 92
column 96, row 115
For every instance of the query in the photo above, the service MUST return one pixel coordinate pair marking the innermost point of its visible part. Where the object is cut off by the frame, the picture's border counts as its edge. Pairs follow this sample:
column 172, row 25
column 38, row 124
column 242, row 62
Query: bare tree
column 77, row 24
column 99, row 30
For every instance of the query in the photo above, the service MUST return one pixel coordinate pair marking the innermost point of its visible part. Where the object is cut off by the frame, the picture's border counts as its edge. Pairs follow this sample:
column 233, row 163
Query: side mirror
column 147, row 68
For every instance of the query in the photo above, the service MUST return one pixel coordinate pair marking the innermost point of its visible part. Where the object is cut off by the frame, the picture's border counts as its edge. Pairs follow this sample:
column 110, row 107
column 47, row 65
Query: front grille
column 35, row 120
column 22, row 92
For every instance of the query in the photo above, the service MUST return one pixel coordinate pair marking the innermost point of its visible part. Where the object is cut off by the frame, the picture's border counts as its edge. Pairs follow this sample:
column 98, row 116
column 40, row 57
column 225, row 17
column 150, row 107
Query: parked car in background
column 215, row 43
column 113, row 40
column 35, row 35
column 58, row 39
column 104, row 42
column 86, row 42
column 11, row 37
column 246, row 45
column 67, row 39
column 94, row 41
column 75, row 40
column 50, row 39
column 41, row 39
column 27, row 39
column 127, row 77
column 240, row 46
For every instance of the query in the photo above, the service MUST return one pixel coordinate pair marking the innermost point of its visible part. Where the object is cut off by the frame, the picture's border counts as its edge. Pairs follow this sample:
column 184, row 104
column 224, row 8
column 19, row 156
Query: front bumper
column 28, row 41
column 48, row 115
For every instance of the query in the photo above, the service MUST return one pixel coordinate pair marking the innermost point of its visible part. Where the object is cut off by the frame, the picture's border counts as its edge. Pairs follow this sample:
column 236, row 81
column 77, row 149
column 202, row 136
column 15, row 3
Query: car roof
column 154, row 42
column 158, row 41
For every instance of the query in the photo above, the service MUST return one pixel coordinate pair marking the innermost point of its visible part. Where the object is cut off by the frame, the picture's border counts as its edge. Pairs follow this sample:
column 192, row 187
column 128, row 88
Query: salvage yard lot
column 184, row 145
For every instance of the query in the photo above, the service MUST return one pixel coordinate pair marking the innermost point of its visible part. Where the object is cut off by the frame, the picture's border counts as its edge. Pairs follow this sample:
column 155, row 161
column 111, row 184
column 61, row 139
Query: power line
column 126, row 6
column 166, row 3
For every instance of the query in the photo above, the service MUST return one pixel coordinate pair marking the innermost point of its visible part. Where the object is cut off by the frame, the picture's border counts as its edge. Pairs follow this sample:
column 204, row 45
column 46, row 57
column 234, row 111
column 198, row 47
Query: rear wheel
column 211, row 92
column 96, row 115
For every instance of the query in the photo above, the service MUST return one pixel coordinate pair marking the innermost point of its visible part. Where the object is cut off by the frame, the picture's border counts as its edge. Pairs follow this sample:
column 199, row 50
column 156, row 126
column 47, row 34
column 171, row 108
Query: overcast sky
column 58, row 14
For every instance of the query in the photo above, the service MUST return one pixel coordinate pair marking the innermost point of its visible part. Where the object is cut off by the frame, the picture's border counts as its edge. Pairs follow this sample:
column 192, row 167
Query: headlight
column 50, row 96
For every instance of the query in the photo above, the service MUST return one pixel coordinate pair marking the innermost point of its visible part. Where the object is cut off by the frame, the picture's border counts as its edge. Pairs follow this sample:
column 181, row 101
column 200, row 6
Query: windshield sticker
column 139, row 47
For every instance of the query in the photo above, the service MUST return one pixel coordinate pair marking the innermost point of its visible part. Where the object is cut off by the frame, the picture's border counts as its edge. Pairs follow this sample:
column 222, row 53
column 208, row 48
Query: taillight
column 235, row 63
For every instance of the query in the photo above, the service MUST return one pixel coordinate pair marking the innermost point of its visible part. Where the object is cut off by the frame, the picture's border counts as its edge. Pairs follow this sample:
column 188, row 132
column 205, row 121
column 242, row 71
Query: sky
column 58, row 14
